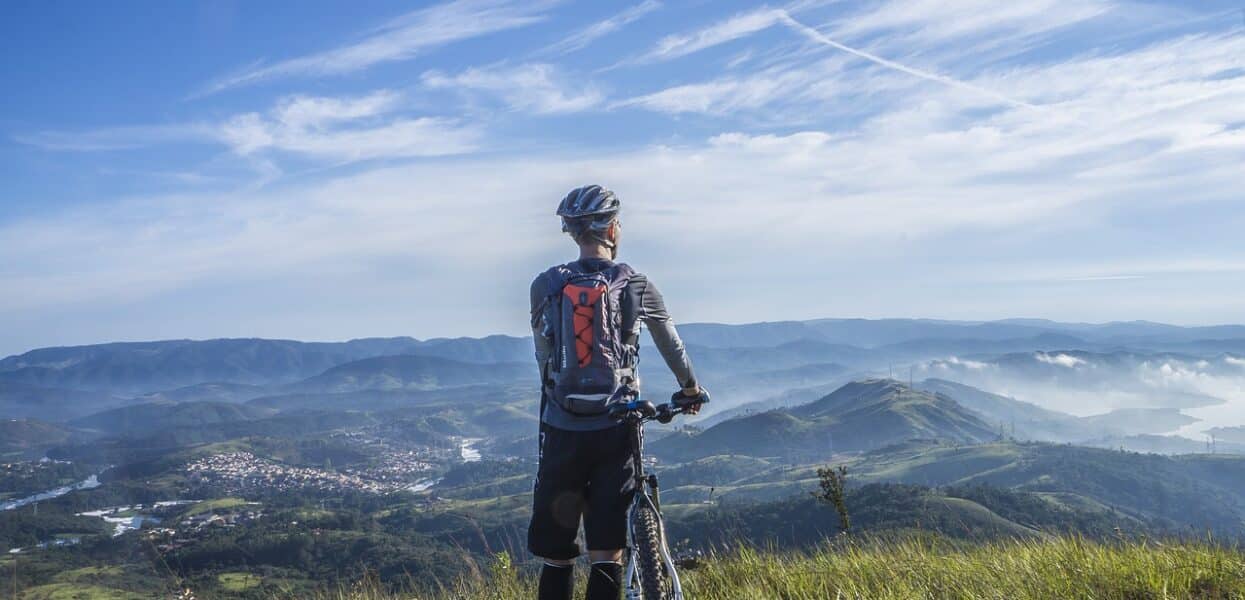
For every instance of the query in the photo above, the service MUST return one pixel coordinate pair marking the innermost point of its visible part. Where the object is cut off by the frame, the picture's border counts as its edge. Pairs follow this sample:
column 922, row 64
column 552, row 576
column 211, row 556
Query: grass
column 238, row 582
column 1064, row 568
column 211, row 505
column 70, row 591
column 88, row 574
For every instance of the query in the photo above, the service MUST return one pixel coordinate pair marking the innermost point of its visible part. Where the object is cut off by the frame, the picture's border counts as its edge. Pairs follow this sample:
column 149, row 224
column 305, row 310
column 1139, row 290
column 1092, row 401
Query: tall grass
column 1060, row 568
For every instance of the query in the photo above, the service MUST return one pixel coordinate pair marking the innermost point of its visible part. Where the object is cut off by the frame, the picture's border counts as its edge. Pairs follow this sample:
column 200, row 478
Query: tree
column 832, row 484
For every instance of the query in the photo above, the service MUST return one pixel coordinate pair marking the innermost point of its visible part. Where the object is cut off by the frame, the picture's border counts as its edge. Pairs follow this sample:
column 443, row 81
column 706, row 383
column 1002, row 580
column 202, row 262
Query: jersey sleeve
column 539, row 295
column 651, row 310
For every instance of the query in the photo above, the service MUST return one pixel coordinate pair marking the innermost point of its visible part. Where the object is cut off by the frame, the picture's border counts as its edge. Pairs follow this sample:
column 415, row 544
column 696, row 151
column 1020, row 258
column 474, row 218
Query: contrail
column 818, row 37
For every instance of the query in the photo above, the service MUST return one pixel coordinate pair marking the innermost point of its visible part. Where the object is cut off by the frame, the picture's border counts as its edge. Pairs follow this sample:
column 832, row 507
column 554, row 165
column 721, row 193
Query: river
column 85, row 484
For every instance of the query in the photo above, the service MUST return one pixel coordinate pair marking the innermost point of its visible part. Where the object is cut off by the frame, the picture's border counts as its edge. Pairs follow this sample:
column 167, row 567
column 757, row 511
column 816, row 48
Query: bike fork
column 634, row 590
column 633, row 579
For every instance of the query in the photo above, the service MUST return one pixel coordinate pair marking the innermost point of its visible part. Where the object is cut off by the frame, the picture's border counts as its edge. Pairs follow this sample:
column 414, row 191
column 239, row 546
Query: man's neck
column 586, row 252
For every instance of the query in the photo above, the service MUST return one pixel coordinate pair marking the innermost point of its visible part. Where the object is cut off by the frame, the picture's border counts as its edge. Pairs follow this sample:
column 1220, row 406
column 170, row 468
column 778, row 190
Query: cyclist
column 586, row 318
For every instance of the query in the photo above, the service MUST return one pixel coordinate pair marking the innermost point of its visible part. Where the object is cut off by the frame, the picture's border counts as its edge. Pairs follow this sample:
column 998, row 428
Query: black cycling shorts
column 582, row 473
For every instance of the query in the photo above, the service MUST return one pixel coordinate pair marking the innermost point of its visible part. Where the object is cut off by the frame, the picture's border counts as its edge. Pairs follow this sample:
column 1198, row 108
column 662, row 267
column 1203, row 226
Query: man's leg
column 605, row 577
column 557, row 503
column 557, row 580
column 610, row 491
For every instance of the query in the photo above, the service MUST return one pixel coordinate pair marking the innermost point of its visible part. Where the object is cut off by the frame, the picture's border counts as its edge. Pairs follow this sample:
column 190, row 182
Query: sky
column 324, row 170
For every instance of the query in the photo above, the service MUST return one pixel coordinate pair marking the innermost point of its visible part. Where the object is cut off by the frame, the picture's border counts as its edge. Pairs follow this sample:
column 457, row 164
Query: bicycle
column 650, row 573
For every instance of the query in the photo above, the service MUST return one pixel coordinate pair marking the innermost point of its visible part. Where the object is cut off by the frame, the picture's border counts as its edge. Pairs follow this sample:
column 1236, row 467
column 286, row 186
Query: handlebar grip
column 681, row 401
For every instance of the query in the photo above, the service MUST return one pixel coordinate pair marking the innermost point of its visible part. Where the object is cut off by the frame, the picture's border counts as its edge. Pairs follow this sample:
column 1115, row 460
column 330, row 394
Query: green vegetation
column 212, row 505
column 859, row 416
column 238, row 582
column 1067, row 568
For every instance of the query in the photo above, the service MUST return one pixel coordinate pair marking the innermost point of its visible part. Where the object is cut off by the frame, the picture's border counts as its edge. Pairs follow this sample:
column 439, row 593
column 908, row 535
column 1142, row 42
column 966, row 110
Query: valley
column 264, row 468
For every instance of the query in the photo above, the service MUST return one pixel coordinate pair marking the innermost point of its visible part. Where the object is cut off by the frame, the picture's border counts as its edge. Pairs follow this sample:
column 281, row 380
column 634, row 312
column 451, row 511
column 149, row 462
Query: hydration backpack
column 592, row 355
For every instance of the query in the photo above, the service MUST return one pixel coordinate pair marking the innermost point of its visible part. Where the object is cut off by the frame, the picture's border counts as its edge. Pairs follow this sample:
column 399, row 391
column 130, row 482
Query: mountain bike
column 650, row 573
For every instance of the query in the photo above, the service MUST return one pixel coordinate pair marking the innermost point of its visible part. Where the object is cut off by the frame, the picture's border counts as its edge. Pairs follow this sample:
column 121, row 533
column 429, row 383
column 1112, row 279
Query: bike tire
column 646, row 533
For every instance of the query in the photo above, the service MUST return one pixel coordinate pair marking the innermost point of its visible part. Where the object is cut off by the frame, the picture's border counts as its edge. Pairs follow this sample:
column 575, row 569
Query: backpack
column 592, row 356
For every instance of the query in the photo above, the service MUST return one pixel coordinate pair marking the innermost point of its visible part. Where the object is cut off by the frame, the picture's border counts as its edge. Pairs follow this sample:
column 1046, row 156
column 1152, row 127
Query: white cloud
column 339, row 129
column 400, row 39
column 314, row 127
column 727, row 95
column 584, row 37
column 736, row 27
column 968, row 364
column 534, row 88
column 1062, row 360
column 926, row 21
column 821, row 38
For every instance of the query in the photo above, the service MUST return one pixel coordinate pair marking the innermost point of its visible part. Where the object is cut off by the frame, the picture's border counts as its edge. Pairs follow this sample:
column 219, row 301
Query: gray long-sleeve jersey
column 641, row 301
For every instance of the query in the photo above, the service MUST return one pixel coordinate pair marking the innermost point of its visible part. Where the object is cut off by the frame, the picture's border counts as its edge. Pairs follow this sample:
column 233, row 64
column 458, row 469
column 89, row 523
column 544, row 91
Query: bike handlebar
column 643, row 410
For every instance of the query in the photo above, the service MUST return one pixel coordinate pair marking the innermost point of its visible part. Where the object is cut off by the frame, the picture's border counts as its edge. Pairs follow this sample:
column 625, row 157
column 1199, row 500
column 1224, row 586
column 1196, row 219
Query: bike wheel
column 646, row 535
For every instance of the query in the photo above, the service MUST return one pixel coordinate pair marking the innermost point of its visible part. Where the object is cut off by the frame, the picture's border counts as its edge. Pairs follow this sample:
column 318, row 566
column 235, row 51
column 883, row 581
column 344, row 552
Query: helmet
column 588, row 209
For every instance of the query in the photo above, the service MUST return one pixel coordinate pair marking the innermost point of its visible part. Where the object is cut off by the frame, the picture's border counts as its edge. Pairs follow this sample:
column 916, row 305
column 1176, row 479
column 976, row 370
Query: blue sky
column 327, row 170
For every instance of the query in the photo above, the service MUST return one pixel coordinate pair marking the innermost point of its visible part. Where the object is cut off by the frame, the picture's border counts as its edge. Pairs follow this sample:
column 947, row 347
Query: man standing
column 586, row 318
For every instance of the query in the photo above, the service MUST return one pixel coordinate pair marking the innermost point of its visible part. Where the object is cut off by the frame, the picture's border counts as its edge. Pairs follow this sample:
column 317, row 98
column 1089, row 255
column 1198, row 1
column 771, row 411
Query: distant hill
column 153, row 417
column 858, row 416
column 1029, row 420
column 148, row 367
column 976, row 513
column 410, row 372
column 1201, row 492
column 23, row 400
column 876, row 333
column 386, row 399
column 211, row 391
column 17, row 435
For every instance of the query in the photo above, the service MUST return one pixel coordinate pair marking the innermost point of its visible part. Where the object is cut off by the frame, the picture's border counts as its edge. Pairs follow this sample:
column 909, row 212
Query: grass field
column 1066, row 568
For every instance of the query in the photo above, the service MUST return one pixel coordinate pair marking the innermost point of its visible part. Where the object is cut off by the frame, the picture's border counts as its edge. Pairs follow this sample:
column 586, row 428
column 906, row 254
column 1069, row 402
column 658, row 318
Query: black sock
column 605, row 581
column 556, row 582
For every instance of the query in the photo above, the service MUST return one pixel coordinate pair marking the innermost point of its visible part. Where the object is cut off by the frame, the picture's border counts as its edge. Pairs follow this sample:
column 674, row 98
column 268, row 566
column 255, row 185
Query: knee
column 605, row 555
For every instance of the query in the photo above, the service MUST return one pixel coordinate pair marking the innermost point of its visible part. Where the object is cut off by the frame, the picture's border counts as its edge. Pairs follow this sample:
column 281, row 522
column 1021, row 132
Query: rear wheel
column 646, row 533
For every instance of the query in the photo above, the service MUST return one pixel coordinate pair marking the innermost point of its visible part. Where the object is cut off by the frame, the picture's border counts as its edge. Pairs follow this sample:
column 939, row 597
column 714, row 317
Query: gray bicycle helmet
column 589, row 209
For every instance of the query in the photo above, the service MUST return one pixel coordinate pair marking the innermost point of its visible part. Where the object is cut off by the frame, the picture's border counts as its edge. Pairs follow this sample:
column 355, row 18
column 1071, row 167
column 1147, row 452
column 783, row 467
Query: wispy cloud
column 749, row 23
column 582, row 38
column 341, row 129
column 932, row 21
column 536, row 88
column 733, row 28
column 400, row 39
column 729, row 95
column 821, row 38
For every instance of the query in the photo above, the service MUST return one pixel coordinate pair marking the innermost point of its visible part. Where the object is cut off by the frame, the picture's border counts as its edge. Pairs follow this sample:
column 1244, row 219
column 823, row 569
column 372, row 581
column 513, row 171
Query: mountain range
column 1121, row 384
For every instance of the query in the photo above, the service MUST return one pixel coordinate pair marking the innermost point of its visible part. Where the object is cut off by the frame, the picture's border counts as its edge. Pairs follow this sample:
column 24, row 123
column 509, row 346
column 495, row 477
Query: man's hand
column 691, row 399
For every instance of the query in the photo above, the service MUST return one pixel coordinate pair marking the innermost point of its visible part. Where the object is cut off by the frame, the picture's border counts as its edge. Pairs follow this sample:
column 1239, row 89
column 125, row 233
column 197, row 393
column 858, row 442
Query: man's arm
column 539, row 296
column 652, row 311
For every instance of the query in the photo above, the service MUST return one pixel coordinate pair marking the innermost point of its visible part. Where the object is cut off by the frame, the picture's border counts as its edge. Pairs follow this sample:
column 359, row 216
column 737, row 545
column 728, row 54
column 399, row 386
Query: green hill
column 410, row 372
column 862, row 415
column 18, row 435
column 152, row 417
column 30, row 401
column 1029, row 421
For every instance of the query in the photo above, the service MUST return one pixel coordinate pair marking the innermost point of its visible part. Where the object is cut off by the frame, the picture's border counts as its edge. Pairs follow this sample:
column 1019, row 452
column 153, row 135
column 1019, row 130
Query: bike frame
column 643, row 485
